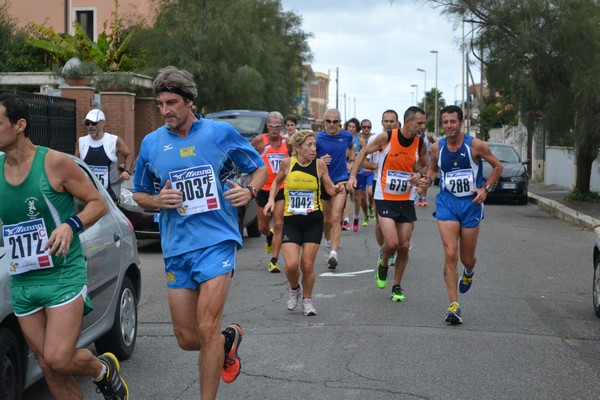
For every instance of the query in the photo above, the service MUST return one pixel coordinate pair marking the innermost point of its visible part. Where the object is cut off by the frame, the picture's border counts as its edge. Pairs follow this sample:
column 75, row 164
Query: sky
column 377, row 46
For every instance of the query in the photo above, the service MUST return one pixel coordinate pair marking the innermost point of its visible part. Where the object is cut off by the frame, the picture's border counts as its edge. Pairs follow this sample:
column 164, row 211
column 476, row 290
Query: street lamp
column 436, row 90
column 416, row 92
column 424, row 89
column 455, row 97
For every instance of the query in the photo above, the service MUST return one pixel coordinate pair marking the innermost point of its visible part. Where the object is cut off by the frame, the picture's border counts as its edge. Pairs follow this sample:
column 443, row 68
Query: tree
column 15, row 55
column 542, row 55
column 242, row 53
column 495, row 114
column 430, row 111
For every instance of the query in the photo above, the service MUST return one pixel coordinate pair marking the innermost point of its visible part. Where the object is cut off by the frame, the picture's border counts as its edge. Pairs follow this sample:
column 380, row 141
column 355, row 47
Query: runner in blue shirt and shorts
column 459, row 204
column 334, row 146
column 193, row 161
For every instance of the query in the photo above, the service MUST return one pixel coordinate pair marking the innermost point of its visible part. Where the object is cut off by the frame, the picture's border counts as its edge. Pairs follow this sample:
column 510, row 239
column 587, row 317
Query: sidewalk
column 552, row 198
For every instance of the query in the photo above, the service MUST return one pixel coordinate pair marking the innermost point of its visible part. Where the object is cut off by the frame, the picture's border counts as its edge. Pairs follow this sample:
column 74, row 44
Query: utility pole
column 337, row 88
column 436, row 98
column 462, row 101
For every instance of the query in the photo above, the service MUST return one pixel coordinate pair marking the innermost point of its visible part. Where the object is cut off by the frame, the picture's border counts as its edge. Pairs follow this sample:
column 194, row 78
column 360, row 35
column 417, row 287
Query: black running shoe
column 111, row 385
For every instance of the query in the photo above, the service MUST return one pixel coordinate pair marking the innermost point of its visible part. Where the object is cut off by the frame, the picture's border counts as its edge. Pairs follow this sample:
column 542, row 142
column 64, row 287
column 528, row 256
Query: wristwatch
column 252, row 191
column 489, row 188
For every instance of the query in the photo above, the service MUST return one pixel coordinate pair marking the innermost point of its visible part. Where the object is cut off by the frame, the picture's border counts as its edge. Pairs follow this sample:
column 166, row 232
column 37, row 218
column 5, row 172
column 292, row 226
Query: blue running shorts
column 189, row 270
column 362, row 181
column 461, row 209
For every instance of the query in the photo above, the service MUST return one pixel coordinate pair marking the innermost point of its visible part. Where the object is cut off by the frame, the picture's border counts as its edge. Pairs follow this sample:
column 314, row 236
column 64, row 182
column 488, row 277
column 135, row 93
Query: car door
column 103, row 254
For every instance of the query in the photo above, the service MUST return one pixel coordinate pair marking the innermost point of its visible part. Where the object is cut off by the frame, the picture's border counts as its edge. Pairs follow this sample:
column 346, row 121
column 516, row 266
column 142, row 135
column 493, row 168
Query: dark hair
column 173, row 80
column 290, row 117
column 15, row 109
column 452, row 109
column 390, row 112
column 411, row 111
column 355, row 121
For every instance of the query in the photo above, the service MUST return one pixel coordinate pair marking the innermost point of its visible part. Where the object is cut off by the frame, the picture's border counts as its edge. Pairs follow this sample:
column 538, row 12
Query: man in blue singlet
column 334, row 146
column 459, row 204
column 193, row 160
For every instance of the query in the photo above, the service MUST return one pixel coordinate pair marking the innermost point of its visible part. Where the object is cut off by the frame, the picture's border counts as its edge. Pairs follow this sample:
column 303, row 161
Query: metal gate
column 53, row 121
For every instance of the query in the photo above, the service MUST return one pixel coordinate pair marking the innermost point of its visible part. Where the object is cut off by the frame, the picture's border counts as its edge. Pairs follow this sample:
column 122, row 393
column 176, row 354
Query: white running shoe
column 295, row 296
column 332, row 260
column 309, row 309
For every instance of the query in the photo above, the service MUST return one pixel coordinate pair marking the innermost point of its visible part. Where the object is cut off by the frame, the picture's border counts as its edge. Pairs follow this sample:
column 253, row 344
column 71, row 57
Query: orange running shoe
column 232, row 365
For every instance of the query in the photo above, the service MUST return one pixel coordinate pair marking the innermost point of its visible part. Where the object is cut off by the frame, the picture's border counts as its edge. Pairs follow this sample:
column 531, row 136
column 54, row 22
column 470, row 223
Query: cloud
column 378, row 46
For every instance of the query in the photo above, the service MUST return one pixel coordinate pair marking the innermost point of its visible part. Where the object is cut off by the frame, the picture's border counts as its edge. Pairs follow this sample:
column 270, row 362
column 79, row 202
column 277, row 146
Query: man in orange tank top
column 273, row 149
column 402, row 162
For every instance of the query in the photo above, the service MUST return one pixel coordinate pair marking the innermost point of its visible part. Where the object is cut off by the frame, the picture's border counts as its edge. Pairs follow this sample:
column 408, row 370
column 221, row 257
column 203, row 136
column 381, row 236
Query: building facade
column 91, row 14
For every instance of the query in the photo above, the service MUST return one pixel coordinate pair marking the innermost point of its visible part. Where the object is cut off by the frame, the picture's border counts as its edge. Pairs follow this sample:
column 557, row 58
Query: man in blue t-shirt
column 334, row 146
column 193, row 160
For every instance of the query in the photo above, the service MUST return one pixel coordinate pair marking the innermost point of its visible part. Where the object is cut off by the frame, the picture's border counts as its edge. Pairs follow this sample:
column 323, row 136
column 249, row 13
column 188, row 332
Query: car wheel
column 253, row 229
column 241, row 211
column 596, row 288
column 120, row 340
column 10, row 373
column 523, row 200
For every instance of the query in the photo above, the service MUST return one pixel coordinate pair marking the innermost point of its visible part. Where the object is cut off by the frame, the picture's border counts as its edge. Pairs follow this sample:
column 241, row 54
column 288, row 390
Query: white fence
column 559, row 166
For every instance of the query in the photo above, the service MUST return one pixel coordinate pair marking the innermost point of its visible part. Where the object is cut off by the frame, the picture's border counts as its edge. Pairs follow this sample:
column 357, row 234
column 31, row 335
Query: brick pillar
column 147, row 119
column 119, row 108
column 84, row 96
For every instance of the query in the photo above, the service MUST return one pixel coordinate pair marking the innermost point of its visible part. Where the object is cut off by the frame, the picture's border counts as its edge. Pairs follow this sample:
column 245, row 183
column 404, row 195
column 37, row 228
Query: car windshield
column 244, row 123
column 505, row 154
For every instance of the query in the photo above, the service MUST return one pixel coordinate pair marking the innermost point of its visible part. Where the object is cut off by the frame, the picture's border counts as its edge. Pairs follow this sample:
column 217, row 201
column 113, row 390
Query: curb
column 565, row 213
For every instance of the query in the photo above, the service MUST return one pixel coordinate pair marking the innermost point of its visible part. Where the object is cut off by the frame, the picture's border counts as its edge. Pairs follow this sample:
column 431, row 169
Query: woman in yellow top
column 302, row 175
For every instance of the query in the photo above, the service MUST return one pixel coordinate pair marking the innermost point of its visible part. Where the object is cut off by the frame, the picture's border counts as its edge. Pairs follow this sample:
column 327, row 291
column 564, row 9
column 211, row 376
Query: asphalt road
column 529, row 331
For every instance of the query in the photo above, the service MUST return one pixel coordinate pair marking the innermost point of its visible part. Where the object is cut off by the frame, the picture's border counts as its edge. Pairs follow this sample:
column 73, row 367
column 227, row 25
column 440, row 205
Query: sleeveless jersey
column 366, row 170
column 272, row 158
column 101, row 157
column 302, row 189
column 396, row 162
column 459, row 173
column 29, row 212
column 357, row 148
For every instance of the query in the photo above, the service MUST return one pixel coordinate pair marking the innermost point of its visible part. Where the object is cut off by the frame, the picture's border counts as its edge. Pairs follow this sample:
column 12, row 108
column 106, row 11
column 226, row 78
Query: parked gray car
column 249, row 123
column 114, row 284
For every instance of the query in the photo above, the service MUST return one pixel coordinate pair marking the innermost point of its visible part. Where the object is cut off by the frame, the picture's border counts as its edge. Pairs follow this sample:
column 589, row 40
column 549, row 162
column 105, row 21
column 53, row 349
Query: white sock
column 101, row 373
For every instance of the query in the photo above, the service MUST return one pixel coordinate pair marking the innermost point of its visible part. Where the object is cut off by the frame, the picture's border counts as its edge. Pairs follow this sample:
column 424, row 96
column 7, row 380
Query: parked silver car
column 114, row 284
